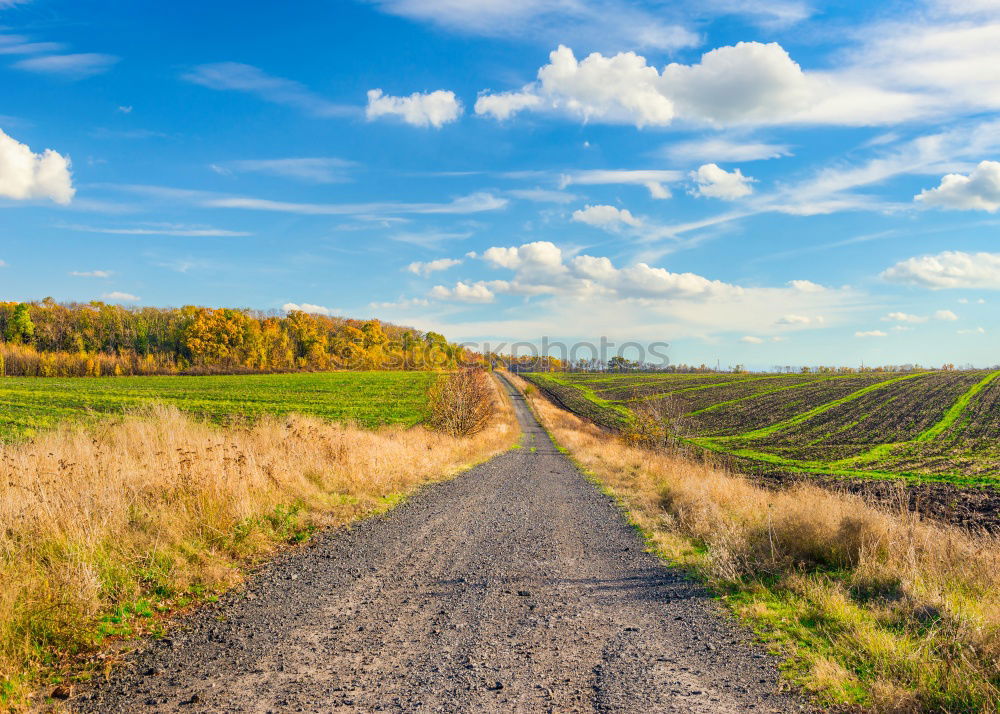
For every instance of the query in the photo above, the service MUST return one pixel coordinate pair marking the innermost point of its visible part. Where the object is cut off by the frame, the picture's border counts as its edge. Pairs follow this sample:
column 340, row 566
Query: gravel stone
column 412, row 611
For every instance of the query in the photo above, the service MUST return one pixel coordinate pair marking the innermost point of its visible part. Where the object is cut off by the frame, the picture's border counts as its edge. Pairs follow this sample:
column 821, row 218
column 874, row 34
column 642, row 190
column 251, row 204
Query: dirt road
column 516, row 587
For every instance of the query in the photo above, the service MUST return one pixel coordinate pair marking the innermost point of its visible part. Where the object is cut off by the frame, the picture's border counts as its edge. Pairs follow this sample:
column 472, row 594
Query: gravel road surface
column 516, row 587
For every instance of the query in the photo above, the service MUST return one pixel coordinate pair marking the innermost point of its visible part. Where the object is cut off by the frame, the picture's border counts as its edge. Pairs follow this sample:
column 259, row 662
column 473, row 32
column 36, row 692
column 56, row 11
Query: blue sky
column 774, row 182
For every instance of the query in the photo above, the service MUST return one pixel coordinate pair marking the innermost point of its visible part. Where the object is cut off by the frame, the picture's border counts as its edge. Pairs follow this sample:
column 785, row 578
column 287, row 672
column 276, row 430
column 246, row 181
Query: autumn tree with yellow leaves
column 47, row 338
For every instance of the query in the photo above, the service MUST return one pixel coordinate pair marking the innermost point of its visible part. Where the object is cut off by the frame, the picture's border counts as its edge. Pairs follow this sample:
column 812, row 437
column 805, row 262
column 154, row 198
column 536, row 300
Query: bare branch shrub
column 655, row 424
column 463, row 403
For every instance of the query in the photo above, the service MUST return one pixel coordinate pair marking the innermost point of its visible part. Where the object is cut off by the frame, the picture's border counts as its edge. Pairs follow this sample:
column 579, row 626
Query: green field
column 30, row 404
column 931, row 426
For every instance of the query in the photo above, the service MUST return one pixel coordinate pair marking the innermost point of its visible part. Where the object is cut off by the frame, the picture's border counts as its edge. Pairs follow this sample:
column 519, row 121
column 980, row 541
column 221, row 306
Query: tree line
column 48, row 338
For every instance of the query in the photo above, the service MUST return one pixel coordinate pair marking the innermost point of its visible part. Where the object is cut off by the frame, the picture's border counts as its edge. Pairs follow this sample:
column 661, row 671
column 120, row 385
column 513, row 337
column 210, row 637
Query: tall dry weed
column 876, row 609
column 99, row 528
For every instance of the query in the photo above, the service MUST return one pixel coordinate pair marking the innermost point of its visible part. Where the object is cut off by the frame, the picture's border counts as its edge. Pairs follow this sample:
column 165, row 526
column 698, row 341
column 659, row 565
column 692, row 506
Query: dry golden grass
column 876, row 610
column 102, row 528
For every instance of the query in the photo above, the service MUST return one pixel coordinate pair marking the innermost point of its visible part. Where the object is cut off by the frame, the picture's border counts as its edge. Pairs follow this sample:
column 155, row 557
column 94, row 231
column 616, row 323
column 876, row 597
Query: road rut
column 516, row 587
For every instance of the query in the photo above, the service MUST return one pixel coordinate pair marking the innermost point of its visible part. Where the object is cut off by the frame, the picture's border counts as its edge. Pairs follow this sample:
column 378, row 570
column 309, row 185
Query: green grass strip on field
column 588, row 393
column 769, row 391
column 956, row 409
column 706, row 386
column 815, row 411
column 831, row 469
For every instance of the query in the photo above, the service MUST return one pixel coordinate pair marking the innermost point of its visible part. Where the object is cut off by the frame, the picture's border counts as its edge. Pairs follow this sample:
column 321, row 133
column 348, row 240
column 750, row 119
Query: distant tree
column 20, row 328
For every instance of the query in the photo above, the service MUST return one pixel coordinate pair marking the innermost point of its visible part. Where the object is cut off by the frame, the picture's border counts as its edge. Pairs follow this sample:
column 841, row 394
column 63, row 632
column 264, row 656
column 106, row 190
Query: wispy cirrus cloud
column 600, row 23
column 70, row 66
column 237, row 77
column 476, row 202
column 160, row 229
column 471, row 203
column 653, row 179
column 311, row 170
column 845, row 186
column 22, row 45
column 429, row 239
column 718, row 149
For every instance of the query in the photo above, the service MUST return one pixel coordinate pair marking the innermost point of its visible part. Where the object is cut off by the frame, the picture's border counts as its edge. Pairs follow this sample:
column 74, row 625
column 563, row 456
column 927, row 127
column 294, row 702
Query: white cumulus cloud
column 750, row 339
column 504, row 105
column 945, row 315
column 715, row 182
column 310, row 308
column 25, row 175
column 979, row 191
column 621, row 89
column 806, row 286
column 950, row 269
column 478, row 292
column 903, row 317
column 435, row 108
column 120, row 296
column 562, row 292
column 749, row 83
column 871, row 333
column 793, row 320
column 433, row 266
column 607, row 217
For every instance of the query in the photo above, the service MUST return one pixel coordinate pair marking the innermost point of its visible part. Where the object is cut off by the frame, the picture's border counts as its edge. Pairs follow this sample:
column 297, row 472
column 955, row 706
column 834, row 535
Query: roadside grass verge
column 873, row 609
column 105, row 530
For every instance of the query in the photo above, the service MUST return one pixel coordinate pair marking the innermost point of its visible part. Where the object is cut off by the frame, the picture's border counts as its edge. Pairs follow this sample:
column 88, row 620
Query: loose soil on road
column 517, row 586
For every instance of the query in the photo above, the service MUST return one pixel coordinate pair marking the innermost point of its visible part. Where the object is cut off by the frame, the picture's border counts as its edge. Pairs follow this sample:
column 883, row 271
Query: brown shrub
column 463, row 403
column 655, row 424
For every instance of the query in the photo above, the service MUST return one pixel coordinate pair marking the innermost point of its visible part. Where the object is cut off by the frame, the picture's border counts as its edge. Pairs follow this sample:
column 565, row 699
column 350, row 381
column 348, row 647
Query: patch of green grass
column 32, row 404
